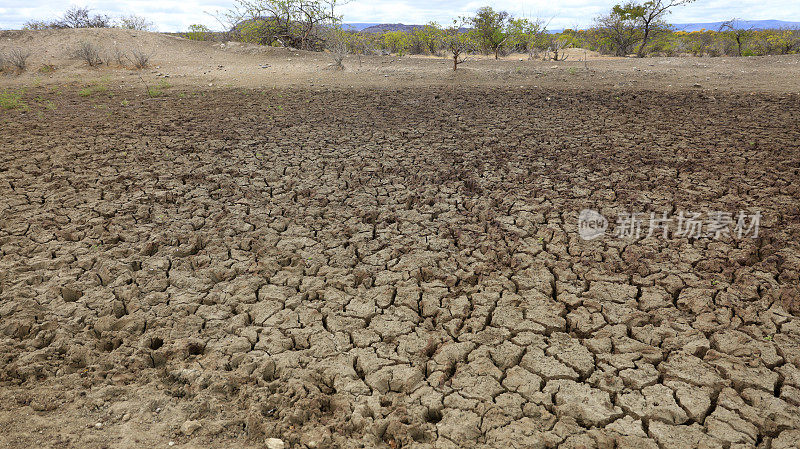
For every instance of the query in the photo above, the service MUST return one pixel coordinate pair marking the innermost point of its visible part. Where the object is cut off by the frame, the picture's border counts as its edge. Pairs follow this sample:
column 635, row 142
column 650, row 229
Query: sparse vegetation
column 198, row 32
column 12, row 99
column 18, row 58
column 337, row 45
column 134, row 22
column 288, row 23
column 82, row 17
column 458, row 44
column 100, row 87
column 140, row 59
column 89, row 53
column 74, row 17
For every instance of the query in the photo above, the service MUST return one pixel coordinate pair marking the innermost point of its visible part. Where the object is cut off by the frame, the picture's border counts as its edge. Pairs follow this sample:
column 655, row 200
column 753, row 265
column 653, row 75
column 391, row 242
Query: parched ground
column 386, row 268
column 389, row 256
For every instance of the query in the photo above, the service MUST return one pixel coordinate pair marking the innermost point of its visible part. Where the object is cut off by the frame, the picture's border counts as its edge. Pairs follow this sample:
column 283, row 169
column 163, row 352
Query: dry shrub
column 19, row 58
column 119, row 55
column 89, row 53
column 140, row 59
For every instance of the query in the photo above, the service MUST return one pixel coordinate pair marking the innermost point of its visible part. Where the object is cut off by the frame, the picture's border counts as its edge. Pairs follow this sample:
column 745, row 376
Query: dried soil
column 396, row 268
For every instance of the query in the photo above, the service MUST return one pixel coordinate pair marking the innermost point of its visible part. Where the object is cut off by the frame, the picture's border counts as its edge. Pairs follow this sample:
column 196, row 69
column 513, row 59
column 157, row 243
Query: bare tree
column 738, row 33
column 336, row 42
column 557, row 46
column 291, row 23
column 80, row 17
column 134, row 22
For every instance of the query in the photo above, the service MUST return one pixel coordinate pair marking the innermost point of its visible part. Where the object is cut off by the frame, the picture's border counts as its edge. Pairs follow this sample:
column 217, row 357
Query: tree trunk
column 496, row 53
column 455, row 62
column 640, row 53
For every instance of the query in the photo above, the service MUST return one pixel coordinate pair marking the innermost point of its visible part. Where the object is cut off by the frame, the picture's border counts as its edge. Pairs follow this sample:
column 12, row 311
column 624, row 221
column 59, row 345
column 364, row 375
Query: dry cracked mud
column 386, row 268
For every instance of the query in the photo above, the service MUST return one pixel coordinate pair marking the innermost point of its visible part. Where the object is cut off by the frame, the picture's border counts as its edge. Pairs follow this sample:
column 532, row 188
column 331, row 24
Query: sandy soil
column 198, row 65
column 398, row 263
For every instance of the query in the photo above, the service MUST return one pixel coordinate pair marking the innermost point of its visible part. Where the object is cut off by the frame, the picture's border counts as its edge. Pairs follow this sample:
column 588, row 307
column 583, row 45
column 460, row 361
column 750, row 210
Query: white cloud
column 177, row 16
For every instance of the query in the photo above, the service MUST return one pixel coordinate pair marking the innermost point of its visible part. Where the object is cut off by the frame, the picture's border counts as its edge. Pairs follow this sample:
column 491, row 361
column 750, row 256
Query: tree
column 739, row 34
column 337, row 43
column 80, row 17
column 198, row 32
column 527, row 35
column 650, row 16
column 397, row 42
column 489, row 28
column 360, row 44
column 457, row 42
column 557, row 44
column 290, row 23
column 134, row 22
column 429, row 36
column 619, row 29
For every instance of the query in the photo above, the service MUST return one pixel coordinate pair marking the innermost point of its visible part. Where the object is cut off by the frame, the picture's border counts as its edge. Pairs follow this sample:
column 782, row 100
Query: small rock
column 189, row 427
column 275, row 443
column 98, row 425
column 696, row 85
column 171, row 443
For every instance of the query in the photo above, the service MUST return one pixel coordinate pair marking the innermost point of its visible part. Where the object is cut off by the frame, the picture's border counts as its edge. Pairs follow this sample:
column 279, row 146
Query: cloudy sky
column 178, row 15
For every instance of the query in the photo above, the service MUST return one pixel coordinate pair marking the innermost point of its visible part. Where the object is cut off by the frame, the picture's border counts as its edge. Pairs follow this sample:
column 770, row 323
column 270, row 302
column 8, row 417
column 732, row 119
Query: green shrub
column 10, row 99
column 198, row 32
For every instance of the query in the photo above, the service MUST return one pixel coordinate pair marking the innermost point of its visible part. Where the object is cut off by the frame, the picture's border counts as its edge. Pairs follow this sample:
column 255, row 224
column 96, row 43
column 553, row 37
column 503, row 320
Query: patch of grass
column 10, row 99
column 47, row 68
column 573, row 70
column 158, row 90
column 154, row 92
column 95, row 88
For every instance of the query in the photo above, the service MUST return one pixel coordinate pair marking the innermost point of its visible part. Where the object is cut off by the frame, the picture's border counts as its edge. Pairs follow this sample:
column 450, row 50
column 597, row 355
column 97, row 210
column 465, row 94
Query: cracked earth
column 379, row 269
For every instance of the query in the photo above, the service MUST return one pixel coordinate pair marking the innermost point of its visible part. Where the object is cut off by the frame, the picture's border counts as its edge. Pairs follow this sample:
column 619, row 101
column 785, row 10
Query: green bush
column 198, row 32
column 10, row 99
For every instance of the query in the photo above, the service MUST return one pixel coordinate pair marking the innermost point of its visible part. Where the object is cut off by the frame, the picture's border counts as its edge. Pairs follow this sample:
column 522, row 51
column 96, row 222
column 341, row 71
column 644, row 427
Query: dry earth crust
column 388, row 268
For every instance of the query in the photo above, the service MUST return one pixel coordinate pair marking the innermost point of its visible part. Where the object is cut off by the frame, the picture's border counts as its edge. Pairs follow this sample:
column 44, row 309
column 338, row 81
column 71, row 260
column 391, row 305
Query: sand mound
column 57, row 47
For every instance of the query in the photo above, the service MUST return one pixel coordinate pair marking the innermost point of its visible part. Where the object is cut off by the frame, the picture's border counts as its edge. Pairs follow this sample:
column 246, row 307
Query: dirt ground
column 201, row 65
column 397, row 263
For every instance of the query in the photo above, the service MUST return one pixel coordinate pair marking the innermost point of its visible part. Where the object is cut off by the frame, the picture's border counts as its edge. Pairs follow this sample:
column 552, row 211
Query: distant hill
column 358, row 26
column 384, row 27
column 378, row 28
column 755, row 24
